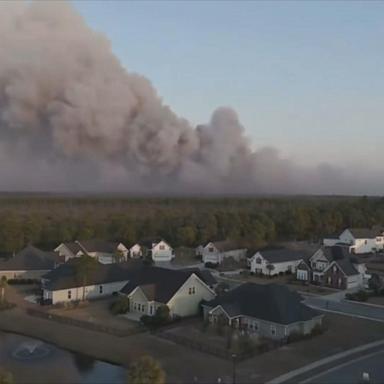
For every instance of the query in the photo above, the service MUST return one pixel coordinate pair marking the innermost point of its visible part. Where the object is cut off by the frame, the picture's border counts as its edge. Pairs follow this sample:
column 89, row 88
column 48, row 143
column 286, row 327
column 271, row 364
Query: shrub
column 120, row 306
column 358, row 296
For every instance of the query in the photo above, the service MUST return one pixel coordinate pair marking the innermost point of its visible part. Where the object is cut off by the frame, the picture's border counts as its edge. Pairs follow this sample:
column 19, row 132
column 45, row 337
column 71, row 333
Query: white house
column 275, row 261
column 359, row 240
column 64, row 285
column 181, row 291
column 135, row 251
column 104, row 251
column 216, row 251
column 158, row 249
column 29, row 263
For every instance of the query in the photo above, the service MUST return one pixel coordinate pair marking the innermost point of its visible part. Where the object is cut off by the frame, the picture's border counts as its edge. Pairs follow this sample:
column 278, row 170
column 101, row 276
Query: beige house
column 181, row 291
column 158, row 249
column 216, row 251
column 29, row 263
column 104, row 251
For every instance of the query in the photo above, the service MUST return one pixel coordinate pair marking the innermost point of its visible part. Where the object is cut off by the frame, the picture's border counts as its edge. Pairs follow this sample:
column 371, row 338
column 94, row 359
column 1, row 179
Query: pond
column 35, row 362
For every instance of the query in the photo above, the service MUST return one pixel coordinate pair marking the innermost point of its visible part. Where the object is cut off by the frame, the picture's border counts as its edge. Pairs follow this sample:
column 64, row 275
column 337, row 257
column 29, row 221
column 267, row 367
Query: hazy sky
column 306, row 77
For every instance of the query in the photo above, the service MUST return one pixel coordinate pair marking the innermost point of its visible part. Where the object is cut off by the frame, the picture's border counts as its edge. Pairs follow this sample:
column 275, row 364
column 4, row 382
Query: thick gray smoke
column 72, row 118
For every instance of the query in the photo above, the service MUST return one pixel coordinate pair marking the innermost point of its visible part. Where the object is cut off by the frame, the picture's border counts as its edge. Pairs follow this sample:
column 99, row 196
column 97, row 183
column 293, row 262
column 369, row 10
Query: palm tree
column 84, row 266
column 3, row 286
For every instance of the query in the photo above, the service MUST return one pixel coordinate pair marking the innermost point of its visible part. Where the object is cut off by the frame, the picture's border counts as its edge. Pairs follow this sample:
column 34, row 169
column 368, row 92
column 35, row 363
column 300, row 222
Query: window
column 258, row 260
column 191, row 291
column 334, row 269
column 329, row 280
column 100, row 289
column 142, row 308
column 339, row 281
column 139, row 307
column 255, row 325
column 69, row 295
column 366, row 242
column 134, row 306
column 162, row 247
column 273, row 330
column 151, row 310
column 211, row 249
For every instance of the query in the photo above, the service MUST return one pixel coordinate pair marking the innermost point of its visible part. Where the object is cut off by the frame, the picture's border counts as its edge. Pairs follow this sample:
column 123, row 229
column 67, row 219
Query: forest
column 47, row 220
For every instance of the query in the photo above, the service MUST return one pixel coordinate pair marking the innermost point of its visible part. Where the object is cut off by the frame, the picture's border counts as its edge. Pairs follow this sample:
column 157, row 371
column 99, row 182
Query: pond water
column 35, row 362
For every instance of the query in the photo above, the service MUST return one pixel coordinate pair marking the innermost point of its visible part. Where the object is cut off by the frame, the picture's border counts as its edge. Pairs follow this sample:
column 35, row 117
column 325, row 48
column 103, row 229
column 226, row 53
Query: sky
column 305, row 77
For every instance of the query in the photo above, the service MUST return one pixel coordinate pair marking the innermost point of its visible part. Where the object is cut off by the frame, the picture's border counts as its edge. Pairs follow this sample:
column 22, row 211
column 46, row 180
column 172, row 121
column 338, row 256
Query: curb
column 307, row 368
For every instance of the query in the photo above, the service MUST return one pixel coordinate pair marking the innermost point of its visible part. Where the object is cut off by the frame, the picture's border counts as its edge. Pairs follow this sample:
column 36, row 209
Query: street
column 351, row 372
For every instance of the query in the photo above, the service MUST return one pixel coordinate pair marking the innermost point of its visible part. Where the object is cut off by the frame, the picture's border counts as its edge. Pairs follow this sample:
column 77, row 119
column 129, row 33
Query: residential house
column 276, row 261
column 359, row 240
column 334, row 267
column 135, row 251
column 157, row 249
column 216, row 251
column 29, row 263
column 104, row 251
column 181, row 291
column 266, row 310
column 64, row 284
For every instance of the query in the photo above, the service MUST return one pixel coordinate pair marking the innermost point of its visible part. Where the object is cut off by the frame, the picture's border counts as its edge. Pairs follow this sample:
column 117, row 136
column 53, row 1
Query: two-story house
column 334, row 267
column 359, row 240
column 216, row 251
column 157, row 249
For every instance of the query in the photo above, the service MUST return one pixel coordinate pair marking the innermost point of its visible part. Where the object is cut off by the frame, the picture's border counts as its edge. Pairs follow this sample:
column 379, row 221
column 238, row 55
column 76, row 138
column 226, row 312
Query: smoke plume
column 73, row 119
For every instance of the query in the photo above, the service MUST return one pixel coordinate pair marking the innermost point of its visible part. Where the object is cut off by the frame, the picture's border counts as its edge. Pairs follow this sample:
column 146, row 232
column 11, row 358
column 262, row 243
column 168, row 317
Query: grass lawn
column 97, row 312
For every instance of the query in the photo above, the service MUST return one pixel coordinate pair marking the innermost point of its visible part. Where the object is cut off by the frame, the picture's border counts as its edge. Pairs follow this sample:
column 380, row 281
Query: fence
column 84, row 324
column 215, row 351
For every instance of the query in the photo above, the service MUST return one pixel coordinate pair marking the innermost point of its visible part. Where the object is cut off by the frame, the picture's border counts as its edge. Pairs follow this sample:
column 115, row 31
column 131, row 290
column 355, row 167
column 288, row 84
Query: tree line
column 49, row 220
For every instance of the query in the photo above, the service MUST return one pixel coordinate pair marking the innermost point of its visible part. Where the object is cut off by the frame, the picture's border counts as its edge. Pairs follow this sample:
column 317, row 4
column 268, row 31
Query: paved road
column 346, row 307
column 351, row 372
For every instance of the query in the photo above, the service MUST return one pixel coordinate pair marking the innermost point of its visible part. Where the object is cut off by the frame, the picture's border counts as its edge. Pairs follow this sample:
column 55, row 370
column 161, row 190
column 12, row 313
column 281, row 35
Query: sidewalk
column 319, row 366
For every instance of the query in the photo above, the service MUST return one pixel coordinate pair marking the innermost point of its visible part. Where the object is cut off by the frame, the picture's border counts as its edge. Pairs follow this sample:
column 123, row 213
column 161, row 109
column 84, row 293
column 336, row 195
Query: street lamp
column 234, row 356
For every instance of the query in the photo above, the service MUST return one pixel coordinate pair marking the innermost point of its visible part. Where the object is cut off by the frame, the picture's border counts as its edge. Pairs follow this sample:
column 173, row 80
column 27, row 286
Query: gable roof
column 366, row 233
column 149, row 241
column 65, row 277
column 270, row 302
column 160, row 284
column 226, row 245
column 203, row 274
column 95, row 245
column 30, row 258
column 73, row 246
column 282, row 255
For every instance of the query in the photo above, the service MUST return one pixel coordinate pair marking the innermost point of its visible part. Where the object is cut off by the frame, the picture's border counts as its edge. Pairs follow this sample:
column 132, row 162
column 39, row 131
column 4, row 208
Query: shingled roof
column 30, row 258
column 366, row 233
column 226, row 245
column 65, row 275
column 269, row 302
column 282, row 255
column 98, row 246
column 158, row 284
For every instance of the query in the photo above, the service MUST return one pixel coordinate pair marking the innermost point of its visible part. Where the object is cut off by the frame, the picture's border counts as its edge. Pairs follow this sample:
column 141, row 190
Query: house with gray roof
column 103, row 251
column 267, row 310
column 359, row 240
column 334, row 267
column 29, row 263
column 181, row 290
column 216, row 251
column 66, row 283
column 276, row 261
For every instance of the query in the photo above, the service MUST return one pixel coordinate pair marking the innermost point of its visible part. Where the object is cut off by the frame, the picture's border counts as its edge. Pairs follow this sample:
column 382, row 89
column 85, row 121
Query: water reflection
column 35, row 362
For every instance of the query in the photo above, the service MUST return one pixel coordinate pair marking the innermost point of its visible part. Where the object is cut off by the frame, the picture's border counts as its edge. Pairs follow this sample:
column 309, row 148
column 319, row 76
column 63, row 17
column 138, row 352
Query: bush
column 120, row 306
column 358, row 296
column 161, row 317
column 211, row 265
